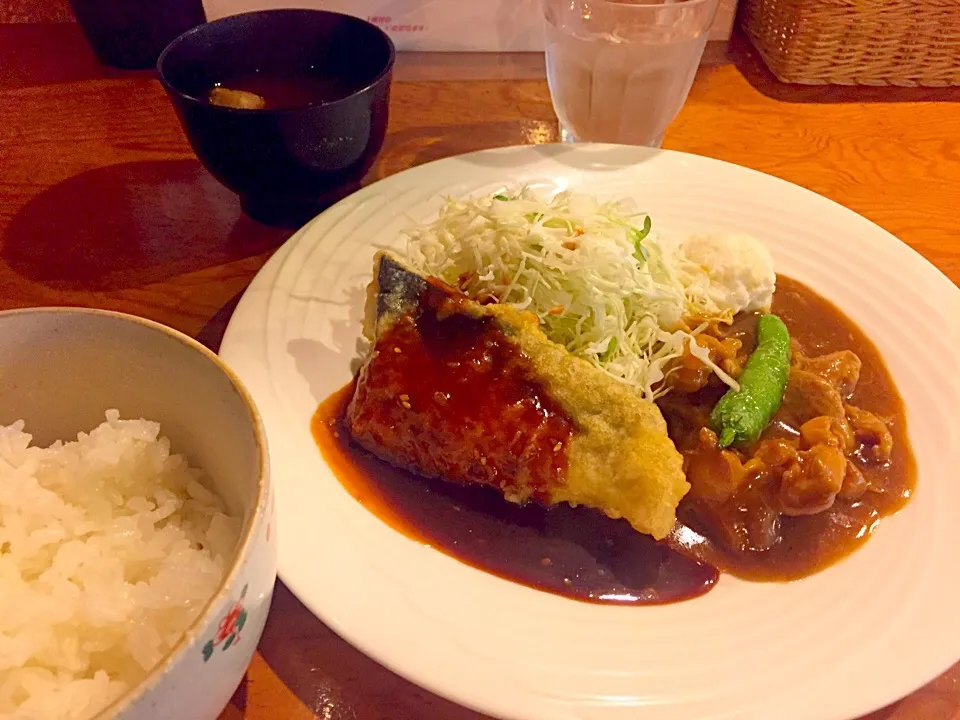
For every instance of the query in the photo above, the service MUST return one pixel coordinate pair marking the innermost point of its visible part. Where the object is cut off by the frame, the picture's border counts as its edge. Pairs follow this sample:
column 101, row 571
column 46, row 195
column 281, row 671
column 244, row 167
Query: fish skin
column 399, row 288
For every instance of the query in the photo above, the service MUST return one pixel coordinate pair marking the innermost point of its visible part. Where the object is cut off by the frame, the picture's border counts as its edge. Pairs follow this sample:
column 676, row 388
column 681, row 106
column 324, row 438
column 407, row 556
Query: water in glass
column 620, row 71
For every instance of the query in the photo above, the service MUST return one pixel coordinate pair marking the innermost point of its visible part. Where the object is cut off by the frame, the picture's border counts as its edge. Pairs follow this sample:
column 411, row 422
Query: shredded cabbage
column 601, row 284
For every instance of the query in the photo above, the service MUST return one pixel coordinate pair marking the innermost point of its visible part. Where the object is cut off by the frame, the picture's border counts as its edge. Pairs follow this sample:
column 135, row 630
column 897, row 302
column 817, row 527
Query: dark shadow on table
column 129, row 225
column 35, row 54
column 748, row 61
column 239, row 699
column 211, row 334
column 336, row 681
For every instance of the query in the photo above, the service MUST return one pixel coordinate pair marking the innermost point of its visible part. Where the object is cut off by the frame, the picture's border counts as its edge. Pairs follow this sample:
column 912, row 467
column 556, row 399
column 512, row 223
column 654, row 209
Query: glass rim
column 649, row 4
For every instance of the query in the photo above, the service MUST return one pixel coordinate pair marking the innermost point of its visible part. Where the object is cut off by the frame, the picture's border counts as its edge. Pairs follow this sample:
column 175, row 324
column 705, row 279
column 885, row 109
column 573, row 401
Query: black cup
column 286, row 164
column 131, row 34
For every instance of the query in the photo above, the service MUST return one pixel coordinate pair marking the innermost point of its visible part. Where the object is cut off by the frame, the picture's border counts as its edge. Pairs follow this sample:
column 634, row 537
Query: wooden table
column 103, row 204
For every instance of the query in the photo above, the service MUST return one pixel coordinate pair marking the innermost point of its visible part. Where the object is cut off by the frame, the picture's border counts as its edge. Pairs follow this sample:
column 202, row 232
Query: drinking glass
column 620, row 70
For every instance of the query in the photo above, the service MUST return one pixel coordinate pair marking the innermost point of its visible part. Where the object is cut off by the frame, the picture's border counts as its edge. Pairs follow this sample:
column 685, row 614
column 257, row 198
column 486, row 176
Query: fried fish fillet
column 478, row 394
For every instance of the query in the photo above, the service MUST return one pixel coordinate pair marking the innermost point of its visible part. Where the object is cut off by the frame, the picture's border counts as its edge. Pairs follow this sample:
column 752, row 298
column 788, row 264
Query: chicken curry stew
column 833, row 461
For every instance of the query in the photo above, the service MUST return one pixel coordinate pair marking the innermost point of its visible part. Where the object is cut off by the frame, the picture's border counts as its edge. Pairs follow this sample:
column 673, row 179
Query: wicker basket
column 857, row 42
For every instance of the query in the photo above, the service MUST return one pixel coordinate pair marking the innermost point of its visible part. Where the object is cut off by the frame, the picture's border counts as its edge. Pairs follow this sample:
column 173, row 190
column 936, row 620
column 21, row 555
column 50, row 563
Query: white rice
column 109, row 548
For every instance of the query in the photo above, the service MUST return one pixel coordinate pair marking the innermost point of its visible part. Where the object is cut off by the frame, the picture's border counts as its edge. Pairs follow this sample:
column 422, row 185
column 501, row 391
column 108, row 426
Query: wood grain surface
column 103, row 204
column 35, row 11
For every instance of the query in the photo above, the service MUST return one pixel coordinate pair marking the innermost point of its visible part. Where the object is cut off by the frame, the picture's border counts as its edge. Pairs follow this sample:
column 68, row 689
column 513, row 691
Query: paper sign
column 445, row 25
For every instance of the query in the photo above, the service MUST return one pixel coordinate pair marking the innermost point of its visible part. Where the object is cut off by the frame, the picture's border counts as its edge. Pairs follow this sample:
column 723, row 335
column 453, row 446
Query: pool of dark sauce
column 574, row 552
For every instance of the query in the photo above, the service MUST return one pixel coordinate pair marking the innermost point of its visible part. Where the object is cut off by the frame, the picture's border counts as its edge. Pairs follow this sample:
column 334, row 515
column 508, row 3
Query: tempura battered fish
column 477, row 394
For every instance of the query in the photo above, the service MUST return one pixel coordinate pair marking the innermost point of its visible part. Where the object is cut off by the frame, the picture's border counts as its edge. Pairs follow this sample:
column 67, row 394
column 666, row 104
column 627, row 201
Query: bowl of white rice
column 137, row 547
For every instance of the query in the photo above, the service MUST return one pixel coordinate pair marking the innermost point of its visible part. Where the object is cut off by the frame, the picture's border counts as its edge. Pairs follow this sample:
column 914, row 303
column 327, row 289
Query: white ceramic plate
column 850, row 639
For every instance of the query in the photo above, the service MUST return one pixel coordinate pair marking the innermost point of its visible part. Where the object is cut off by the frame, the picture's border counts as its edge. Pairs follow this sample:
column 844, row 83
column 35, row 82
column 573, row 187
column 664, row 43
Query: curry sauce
column 804, row 544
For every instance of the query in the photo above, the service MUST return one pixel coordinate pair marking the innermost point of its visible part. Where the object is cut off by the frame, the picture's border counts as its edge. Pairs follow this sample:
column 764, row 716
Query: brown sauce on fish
column 582, row 554
column 448, row 393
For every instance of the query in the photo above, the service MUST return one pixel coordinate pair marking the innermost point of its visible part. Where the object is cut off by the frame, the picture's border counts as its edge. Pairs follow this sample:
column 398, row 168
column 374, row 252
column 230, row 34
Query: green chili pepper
column 637, row 237
column 611, row 349
column 500, row 196
column 741, row 415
